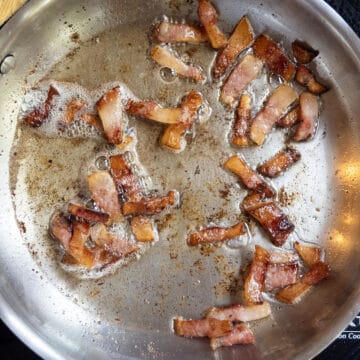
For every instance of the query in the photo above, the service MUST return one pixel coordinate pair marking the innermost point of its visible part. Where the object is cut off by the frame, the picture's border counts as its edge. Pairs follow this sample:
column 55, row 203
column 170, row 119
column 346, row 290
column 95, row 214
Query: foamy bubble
column 204, row 112
column 55, row 124
column 102, row 163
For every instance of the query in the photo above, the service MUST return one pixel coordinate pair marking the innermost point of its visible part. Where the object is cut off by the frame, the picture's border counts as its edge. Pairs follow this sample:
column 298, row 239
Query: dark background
column 344, row 348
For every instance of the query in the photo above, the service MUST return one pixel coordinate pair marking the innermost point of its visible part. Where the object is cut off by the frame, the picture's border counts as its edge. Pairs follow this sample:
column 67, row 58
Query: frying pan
column 127, row 314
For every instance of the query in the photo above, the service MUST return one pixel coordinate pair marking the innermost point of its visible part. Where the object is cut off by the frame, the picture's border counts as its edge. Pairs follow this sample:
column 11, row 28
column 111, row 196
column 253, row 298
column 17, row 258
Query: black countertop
column 347, row 345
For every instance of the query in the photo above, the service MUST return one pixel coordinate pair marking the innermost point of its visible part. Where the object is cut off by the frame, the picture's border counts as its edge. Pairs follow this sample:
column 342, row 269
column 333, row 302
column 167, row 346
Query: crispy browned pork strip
column 290, row 119
column 209, row 18
column 124, row 178
column 153, row 111
column 306, row 78
column 37, row 116
column 202, row 328
column 172, row 33
column 149, row 206
column 248, row 176
column 311, row 255
column 103, row 191
column 73, row 107
column 269, row 52
column 143, row 229
column 254, row 281
column 241, row 334
column 293, row 293
column 109, row 241
column 241, row 125
column 164, row 57
column 110, row 111
column 61, row 229
column 85, row 213
column 303, row 53
column 317, row 273
column 272, row 219
column 308, row 115
column 173, row 137
column 279, row 162
column 240, row 313
column 108, row 248
column 281, row 275
column 216, row 234
column 247, row 70
column 77, row 249
column 241, row 38
column 275, row 107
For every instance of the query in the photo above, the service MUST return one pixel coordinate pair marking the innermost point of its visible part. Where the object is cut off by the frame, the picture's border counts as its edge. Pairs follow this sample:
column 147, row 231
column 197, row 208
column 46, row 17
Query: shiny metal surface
column 127, row 315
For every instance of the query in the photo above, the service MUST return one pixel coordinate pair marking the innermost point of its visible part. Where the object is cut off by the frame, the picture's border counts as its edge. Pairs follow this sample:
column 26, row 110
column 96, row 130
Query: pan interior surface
column 128, row 314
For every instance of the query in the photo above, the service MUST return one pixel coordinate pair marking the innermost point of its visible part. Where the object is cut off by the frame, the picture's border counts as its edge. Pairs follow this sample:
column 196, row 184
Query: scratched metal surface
column 128, row 314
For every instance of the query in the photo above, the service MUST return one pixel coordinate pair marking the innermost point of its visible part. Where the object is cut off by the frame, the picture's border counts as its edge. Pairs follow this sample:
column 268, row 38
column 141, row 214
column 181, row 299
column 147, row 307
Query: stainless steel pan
column 127, row 315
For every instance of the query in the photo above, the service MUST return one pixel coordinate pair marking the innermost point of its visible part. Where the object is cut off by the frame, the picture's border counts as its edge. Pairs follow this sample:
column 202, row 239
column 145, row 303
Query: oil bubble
column 168, row 75
column 102, row 163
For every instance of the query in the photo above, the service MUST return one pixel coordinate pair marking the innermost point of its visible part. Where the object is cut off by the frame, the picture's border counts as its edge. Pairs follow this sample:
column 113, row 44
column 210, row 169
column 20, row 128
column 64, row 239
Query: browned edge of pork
column 153, row 111
column 110, row 110
column 207, row 327
column 143, row 229
column 240, row 133
column 165, row 57
column 293, row 293
column 303, row 53
column 311, row 255
column 254, row 281
column 290, row 119
column 85, row 213
column 125, row 178
column 173, row 137
column 150, row 206
column 37, row 116
column 61, row 228
column 248, row 176
column 306, row 78
column 271, row 218
column 241, row 334
column 241, row 39
column 209, row 18
column 73, row 107
column 216, row 234
column 280, row 162
column 269, row 51
column 77, row 249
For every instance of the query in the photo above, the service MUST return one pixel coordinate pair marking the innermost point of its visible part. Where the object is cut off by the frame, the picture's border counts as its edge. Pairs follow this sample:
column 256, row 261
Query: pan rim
column 26, row 332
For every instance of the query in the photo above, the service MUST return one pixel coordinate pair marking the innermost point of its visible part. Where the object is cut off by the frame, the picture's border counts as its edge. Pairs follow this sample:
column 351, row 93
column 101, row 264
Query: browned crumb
column 285, row 198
